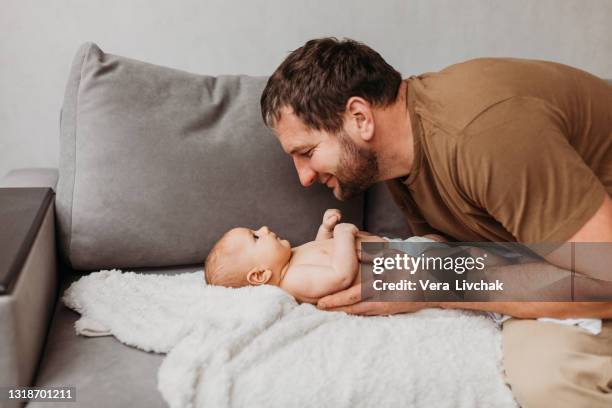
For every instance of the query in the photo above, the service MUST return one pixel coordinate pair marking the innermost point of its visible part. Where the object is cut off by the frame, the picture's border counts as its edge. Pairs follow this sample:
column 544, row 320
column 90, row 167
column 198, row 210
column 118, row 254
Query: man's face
column 335, row 160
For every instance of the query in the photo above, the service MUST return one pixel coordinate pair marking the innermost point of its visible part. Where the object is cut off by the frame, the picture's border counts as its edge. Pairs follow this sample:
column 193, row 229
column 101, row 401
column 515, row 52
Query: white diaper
column 412, row 250
column 593, row 326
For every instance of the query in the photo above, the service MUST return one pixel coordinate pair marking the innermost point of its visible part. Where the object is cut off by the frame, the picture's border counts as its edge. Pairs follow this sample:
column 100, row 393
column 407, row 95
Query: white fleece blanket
column 256, row 347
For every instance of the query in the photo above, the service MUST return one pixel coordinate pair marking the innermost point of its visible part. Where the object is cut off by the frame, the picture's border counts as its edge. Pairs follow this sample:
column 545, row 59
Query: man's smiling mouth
column 327, row 182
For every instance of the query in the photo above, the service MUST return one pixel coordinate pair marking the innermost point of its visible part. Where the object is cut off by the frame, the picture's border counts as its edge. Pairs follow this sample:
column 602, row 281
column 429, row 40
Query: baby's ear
column 259, row 276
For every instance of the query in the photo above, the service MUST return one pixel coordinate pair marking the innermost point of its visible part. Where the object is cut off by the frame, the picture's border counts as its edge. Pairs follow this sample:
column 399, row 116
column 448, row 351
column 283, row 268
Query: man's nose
column 305, row 173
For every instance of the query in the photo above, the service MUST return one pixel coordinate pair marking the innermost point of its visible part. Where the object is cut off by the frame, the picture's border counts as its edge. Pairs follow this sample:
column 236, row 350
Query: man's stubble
column 357, row 168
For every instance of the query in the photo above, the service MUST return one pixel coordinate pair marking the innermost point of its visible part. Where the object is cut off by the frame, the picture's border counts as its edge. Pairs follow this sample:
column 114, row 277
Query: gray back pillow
column 156, row 163
column 382, row 216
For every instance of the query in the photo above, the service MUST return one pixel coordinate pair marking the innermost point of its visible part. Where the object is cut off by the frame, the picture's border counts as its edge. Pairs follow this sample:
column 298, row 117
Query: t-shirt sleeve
column 520, row 167
column 405, row 202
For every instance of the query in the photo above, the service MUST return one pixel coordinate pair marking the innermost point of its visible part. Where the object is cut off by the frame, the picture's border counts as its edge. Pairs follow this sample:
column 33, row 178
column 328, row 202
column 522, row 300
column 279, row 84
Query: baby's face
column 261, row 249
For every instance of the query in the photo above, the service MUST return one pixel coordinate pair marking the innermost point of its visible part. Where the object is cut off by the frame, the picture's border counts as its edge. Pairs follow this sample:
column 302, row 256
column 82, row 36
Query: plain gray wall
column 39, row 39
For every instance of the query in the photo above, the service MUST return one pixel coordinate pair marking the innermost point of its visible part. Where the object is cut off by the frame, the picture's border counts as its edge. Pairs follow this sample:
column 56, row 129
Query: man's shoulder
column 455, row 96
column 519, row 73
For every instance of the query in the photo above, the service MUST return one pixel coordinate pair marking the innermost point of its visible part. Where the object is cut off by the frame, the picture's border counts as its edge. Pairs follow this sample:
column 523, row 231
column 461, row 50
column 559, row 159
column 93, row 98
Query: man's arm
column 592, row 255
column 531, row 310
column 597, row 229
column 350, row 300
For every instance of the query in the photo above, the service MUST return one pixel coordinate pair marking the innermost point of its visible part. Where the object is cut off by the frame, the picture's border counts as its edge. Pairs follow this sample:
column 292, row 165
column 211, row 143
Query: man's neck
column 394, row 138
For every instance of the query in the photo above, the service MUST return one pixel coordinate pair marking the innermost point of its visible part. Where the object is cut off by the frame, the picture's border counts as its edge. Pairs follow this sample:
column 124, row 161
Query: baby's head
column 244, row 257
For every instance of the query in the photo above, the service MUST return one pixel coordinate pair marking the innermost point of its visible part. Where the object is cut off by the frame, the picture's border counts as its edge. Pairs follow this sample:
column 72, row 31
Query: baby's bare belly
column 320, row 253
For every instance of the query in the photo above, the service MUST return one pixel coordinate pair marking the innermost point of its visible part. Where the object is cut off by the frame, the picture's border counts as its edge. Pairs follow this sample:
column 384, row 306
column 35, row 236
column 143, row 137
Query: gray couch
column 154, row 165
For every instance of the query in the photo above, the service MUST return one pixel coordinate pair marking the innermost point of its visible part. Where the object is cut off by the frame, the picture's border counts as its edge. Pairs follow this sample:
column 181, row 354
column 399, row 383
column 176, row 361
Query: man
column 486, row 150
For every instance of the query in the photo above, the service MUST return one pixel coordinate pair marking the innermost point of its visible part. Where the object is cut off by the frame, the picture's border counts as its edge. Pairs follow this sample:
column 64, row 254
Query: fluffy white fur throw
column 255, row 347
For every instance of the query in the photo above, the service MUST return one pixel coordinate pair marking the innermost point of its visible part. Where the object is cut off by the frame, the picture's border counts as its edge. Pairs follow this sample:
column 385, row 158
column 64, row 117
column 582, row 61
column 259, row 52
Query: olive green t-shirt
column 507, row 150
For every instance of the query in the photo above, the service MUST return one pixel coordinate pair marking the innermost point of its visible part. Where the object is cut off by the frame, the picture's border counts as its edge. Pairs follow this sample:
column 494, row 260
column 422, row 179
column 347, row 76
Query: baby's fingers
column 332, row 212
column 331, row 221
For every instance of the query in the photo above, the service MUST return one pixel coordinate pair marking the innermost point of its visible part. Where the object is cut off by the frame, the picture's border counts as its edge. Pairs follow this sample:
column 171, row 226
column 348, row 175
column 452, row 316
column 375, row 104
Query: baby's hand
column 346, row 227
column 331, row 217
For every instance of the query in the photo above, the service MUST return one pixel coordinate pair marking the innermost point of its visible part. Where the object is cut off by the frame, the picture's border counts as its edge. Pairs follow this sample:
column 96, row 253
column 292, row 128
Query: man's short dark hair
column 317, row 80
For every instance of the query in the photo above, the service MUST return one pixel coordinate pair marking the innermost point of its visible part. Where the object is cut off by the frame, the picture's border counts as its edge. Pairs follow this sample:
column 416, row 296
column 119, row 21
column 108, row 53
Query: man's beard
column 357, row 168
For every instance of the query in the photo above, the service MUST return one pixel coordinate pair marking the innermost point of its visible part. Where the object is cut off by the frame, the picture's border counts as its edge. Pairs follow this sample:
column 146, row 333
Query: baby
column 308, row 272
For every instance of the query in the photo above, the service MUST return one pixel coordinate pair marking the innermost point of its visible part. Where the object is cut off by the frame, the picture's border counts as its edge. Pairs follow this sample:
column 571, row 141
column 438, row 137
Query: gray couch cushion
column 382, row 216
column 105, row 372
column 156, row 163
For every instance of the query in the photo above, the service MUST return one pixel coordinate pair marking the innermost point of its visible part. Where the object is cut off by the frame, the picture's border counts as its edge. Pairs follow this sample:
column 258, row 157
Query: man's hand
column 349, row 301
column 331, row 217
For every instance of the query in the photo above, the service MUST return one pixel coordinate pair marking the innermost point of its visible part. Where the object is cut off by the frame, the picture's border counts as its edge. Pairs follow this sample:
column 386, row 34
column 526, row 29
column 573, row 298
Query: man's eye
column 309, row 152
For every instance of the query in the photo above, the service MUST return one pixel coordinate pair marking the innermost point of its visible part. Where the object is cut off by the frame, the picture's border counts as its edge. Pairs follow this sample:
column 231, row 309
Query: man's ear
column 360, row 118
column 259, row 276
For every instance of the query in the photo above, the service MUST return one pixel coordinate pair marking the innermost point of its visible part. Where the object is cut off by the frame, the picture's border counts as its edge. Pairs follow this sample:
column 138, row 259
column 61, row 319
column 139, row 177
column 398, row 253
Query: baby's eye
column 255, row 237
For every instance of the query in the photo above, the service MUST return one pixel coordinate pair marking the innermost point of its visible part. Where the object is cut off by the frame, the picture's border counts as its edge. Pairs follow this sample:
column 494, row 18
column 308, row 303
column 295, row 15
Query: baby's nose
column 265, row 230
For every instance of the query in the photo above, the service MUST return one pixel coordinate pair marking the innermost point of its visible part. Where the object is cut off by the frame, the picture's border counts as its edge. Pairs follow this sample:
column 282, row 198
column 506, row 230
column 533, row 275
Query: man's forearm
column 539, row 284
column 531, row 310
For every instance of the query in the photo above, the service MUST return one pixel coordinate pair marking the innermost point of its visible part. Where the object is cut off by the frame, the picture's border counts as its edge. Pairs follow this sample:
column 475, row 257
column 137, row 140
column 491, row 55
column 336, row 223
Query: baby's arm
column 330, row 219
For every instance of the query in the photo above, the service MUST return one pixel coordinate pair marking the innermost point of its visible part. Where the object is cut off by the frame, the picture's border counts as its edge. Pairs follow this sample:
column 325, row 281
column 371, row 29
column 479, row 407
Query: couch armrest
column 28, row 280
column 31, row 177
